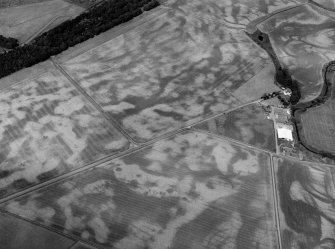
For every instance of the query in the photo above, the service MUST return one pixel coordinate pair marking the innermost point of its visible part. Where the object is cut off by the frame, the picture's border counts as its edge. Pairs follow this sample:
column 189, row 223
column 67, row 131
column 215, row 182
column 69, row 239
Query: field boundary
column 103, row 38
column 115, row 124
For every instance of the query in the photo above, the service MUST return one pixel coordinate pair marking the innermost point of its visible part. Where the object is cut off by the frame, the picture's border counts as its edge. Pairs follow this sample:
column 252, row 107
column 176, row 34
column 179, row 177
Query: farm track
column 275, row 200
column 43, row 29
column 92, row 101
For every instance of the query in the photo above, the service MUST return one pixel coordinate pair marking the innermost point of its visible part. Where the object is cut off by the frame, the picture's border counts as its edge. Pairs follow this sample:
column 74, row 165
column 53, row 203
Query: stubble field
column 170, row 71
column 188, row 191
column 188, row 61
column 48, row 128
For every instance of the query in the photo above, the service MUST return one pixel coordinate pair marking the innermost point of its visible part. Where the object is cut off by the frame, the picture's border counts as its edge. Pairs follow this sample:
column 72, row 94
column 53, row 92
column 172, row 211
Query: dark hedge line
column 71, row 32
column 8, row 42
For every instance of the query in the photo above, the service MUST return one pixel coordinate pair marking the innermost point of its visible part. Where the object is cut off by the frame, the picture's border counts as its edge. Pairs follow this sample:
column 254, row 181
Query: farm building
column 284, row 131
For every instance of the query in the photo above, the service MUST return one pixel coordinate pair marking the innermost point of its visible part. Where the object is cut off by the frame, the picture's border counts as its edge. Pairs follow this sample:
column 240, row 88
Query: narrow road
column 275, row 200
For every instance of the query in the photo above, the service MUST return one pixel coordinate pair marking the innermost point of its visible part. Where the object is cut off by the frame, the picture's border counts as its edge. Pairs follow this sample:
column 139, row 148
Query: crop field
column 14, row 234
column 307, row 213
column 319, row 127
column 318, row 123
column 248, row 125
column 171, row 70
column 188, row 191
column 304, row 42
column 22, row 22
column 47, row 128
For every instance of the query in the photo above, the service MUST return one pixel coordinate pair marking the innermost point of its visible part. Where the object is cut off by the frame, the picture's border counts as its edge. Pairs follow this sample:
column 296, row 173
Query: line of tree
column 283, row 76
column 98, row 19
column 327, row 88
column 8, row 42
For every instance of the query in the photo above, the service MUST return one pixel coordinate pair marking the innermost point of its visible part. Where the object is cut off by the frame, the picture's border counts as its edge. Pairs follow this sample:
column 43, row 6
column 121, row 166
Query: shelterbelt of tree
column 98, row 19
column 284, row 79
column 8, row 42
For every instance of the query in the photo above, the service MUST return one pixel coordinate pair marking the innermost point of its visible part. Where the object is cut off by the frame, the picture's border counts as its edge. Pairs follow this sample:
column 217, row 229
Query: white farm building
column 284, row 131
